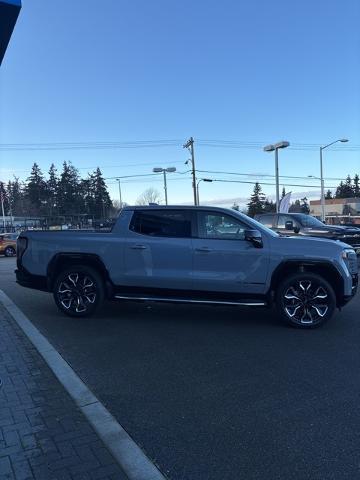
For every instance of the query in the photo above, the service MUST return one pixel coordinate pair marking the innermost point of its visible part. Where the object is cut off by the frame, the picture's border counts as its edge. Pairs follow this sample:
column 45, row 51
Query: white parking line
column 126, row 452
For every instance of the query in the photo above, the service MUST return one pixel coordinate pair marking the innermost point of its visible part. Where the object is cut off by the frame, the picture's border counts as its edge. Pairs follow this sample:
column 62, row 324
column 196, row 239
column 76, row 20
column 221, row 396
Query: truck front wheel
column 305, row 300
column 79, row 291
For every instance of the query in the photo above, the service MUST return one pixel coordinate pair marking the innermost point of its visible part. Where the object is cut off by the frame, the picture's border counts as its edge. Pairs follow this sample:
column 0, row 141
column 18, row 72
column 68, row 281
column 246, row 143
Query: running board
column 184, row 300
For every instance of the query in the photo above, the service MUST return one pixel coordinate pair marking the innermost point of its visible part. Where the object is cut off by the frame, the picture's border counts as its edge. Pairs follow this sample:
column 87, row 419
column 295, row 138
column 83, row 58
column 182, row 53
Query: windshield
column 309, row 221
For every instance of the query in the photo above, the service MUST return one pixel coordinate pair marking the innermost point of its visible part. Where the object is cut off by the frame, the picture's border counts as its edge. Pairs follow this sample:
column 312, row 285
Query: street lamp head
column 269, row 148
column 158, row 170
column 282, row 144
column 344, row 140
column 171, row 169
column 207, row 179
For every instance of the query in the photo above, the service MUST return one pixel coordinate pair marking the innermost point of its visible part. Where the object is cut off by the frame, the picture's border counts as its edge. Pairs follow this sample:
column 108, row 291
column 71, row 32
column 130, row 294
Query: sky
column 128, row 71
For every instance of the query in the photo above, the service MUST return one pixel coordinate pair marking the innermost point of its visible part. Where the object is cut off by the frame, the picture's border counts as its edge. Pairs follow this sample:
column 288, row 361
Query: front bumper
column 347, row 298
column 26, row 279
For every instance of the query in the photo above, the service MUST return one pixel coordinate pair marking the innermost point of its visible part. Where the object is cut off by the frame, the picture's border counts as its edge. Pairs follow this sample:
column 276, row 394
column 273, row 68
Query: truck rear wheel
column 305, row 300
column 79, row 291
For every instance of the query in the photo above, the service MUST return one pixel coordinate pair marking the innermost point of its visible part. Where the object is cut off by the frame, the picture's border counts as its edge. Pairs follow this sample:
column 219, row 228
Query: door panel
column 223, row 260
column 158, row 250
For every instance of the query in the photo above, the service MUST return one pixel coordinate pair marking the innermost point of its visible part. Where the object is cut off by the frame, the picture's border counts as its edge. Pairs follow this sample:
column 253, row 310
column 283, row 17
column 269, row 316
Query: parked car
column 8, row 244
column 308, row 226
column 193, row 255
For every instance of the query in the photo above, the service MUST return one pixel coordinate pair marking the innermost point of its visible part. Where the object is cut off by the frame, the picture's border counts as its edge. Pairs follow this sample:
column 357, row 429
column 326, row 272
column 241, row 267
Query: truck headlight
column 350, row 258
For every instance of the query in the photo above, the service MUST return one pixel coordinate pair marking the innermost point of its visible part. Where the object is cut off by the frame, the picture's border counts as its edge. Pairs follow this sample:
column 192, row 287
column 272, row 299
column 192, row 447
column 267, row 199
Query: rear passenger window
column 162, row 223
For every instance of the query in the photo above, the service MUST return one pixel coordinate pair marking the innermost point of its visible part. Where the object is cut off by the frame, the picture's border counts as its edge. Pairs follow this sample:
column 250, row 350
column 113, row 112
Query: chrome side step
column 184, row 300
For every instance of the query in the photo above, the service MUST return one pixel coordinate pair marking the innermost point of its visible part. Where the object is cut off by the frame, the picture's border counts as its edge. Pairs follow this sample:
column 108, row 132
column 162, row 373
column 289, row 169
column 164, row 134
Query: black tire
column 10, row 252
column 79, row 291
column 305, row 300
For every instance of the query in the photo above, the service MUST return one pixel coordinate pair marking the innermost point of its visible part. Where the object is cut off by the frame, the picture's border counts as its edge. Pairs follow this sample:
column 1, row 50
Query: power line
column 266, row 183
column 215, row 143
column 258, row 175
column 108, row 166
column 225, row 180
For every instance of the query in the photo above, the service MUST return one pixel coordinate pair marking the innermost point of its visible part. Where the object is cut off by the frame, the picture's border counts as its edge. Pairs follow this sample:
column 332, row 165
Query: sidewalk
column 43, row 435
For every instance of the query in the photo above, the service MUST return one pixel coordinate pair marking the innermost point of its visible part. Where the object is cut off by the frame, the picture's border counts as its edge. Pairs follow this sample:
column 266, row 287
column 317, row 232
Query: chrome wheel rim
column 306, row 302
column 77, row 292
column 10, row 252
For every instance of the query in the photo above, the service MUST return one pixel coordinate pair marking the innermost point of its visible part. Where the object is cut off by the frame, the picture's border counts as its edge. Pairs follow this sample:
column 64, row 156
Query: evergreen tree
column 102, row 202
column 340, row 190
column 348, row 189
column 52, row 189
column 295, row 207
column 9, row 198
column 17, row 197
column 36, row 190
column 69, row 195
column 257, row 201
column 356, row 188
column 235, row 207
column 304, row 204
column 4, row 199
column 328, row 195
column 87, row 195
column 269, row 206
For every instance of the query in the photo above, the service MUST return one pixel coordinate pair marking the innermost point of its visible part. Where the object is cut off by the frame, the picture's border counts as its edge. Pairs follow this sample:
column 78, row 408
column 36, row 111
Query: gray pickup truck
column 190, row 254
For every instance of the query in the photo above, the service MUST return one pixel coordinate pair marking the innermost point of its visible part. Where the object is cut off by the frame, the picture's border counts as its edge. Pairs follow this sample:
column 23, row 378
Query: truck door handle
column 203, row 249
column 138, row 247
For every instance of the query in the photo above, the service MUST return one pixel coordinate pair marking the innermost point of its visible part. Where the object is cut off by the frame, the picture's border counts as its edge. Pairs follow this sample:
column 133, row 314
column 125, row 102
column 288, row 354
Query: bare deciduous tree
column 151, row 195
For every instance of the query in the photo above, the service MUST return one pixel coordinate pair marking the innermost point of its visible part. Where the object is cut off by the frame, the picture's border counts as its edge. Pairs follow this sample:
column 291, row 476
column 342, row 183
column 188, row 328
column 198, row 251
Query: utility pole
column 190, row 146
column 120, row 198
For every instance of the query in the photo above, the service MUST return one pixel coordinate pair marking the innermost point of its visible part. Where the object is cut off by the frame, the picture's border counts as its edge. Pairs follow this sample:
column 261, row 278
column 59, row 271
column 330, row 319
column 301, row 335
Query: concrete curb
column 126, row 452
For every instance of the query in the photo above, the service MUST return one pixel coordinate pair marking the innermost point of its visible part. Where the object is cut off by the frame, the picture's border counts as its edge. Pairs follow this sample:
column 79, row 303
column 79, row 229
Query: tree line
column 58, row 194
column 350, row 188
column 260, row 204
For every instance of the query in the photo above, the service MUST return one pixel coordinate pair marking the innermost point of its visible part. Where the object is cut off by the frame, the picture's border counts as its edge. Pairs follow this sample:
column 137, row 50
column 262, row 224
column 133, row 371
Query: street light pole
column 277, row 180
column 274, row 148
column 118, row 179
column 197, row 187
column 164, row 171
column 322, row 199
column 165, row 187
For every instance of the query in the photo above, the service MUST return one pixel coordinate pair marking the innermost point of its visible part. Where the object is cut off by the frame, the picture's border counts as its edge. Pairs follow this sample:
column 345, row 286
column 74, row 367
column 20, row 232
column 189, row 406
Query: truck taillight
column 21, row 246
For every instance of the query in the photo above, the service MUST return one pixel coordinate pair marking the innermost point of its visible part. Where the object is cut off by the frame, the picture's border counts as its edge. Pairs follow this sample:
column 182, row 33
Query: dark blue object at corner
column 9, row 11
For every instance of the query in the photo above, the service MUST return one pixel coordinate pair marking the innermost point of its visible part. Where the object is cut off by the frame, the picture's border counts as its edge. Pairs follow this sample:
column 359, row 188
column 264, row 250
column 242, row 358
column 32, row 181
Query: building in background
column 9, row 11
column 338, row 210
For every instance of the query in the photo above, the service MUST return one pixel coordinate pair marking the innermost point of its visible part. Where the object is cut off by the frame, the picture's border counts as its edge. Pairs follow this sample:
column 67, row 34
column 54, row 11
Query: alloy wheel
column 306, row 302
column 77, row 292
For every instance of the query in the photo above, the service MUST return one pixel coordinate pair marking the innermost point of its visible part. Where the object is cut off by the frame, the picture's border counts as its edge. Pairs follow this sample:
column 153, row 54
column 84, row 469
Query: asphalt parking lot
column 217, row 393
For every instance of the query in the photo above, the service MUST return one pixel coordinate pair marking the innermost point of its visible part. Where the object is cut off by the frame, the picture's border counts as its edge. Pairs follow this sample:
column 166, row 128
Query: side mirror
column 254, row 236
column 289, row 225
